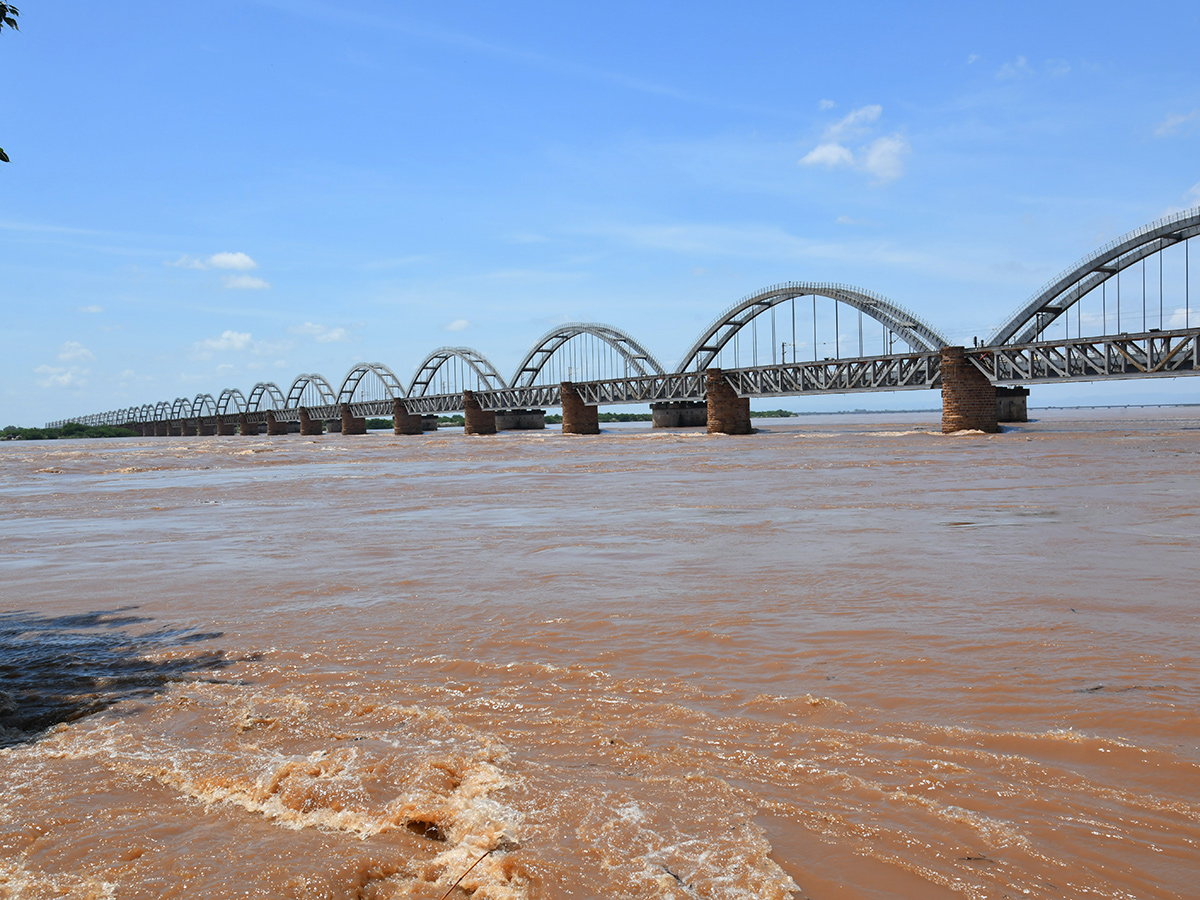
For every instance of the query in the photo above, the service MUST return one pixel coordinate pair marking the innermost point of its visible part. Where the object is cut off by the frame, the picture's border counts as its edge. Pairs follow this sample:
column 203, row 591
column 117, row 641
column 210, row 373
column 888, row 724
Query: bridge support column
column 187, row 428
column 402, row 422
column 478, row 419
column 246, row 427
column 175, row 428
column 226, row 426
column 429, row 423
column 521, row 420
column 1011, row 404
column 162, row 429
column 309, row 425
column 352, row 424
column 206, row 428
column 727, row 412
column 578, row 417
column 968, row 398
column 679, row 413
column 275, row 427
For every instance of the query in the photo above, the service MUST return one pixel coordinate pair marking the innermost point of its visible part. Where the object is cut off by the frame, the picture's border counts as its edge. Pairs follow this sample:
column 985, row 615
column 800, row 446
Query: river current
column 844, row 657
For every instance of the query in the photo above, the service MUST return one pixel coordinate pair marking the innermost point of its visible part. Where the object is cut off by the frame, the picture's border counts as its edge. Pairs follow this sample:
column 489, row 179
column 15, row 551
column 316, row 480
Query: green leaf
column 4, row 156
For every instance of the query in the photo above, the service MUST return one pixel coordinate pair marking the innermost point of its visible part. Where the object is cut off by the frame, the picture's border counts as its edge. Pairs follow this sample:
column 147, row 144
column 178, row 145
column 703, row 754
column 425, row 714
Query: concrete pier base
column 679, row 414
column 175, row 428
column 206, row 428
column 226, row 426
column 727, row 412
column 309, row 425
column 275, row 427
column 1012, row 404
column 478, row 419
column 352, row 424
column 333, row 426
column 162, row 429
column 429, row 423
column 578, row 417
column 187, row 428
column 968, row 398
column 402, row 422
column 246, row 427
column 520, row 420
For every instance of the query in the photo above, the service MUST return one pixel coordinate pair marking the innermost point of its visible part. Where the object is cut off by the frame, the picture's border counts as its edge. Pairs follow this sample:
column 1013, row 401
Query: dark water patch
column 56, row 669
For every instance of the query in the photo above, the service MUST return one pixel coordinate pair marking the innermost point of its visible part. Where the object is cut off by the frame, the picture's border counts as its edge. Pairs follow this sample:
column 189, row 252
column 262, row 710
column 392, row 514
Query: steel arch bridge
column 608, row 365
column 486, row 376
column 638, row 360
column 903, row 323
column 1073, row 284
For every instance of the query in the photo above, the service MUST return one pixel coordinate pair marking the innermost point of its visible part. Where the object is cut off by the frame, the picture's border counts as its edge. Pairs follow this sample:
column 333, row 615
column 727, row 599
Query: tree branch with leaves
column 8, row 16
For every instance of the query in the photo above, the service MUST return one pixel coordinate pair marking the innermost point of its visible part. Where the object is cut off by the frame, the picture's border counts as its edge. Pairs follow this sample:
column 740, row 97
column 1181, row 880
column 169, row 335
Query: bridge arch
column 204, row 405
column 901, row 322
column 469, row 362
column 310, row 390
column 181, row 408
column 162, row 411
column 384, row 382
column 264, row 396
column 637, row 360
column 231, row 397
column 1071, row 285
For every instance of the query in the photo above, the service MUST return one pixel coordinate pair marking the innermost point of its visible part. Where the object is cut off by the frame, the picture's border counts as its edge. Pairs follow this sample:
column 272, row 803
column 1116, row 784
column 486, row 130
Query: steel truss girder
column 1152, row 354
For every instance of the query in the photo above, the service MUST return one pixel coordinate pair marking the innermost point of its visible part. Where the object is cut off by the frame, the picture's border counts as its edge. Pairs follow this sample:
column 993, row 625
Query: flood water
column 845, row 657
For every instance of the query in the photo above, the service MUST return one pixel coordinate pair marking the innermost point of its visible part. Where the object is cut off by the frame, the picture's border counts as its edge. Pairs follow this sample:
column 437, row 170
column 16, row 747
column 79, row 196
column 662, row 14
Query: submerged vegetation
column 70, row 430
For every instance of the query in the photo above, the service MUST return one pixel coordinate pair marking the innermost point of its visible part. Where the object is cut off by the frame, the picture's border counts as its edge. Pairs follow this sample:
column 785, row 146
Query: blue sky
column 210, row 195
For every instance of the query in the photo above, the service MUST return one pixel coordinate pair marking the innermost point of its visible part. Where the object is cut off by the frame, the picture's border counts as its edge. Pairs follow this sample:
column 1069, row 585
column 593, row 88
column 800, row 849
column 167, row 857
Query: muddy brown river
column 845, row 657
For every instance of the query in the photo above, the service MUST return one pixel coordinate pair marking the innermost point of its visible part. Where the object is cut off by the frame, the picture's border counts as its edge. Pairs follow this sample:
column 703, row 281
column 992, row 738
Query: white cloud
column 239, row 261
column 244, row 283
column 1174, row 122
column 854, row 123
column 826, row 104
column 187, row 262
column 849, row 220
column 1058, row 67
column 94, row 308
column 885, row 157
column 830, row 155
column 972, row 59
column 1018, row 68
column 73, row 351
column 56, row 377
column 322, row 333
column 458, row 325
column 229, row 340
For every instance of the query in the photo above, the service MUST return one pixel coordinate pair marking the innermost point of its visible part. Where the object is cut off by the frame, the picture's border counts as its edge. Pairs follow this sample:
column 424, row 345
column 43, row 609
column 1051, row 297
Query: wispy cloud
column 73, row 351
column 826, row 104
column 94, row 308
column 323, row 334
column 882, row 157
column 244, row 283
column 1175, row 122
column 240, row 262
column 458, row 325
column 59, row 377
column 1017, row 68
column 230, row 341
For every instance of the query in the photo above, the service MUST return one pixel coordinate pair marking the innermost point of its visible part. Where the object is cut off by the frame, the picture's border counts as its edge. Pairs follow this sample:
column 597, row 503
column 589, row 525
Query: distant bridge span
column 580, row 366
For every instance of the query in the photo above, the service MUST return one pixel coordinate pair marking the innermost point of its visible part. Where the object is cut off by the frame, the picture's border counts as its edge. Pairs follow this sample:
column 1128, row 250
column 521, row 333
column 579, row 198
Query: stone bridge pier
column 404, row 422
column 478, row 419
column 968, row 398
column 352, row 424
column 309, row 425
column 578, row 417
column 727, row 412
